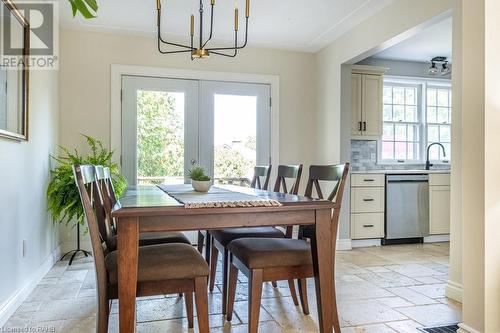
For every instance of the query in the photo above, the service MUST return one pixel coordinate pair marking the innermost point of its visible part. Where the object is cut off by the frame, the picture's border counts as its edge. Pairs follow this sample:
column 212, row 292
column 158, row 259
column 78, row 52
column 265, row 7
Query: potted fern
column 62, row 194
column 199, row 180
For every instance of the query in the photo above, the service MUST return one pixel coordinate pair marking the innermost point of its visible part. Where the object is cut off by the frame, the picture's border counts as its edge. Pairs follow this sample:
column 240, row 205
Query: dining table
column 150, row 208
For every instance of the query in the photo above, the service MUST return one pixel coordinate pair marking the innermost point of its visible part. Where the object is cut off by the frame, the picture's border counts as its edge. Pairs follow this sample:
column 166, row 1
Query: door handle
column 368, row 225
column 193, row 161
column 360, row 126
column 368, row 200
column 368, row 180
column 364, row 126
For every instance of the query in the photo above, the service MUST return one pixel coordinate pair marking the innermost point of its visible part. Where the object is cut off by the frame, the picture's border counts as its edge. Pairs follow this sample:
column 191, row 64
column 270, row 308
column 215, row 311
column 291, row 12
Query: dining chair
column 265, row 259
column 221, row 238
column 162, row 269
column 103, row 178
column 259, row 172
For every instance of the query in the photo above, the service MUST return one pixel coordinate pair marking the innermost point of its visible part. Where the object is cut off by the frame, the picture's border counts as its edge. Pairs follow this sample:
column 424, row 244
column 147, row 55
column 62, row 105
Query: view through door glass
column 170, row 125
column 160, row 137
column 235, row 138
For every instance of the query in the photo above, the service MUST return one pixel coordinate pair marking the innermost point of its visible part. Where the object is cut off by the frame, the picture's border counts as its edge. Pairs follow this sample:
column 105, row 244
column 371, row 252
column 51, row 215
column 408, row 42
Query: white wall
column 85, row 68
column 24, row 173
column 384, row 29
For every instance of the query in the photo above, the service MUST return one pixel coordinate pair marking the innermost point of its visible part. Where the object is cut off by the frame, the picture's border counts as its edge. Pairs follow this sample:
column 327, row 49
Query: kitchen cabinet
column 366, row 102
column 439, row 204
column 367, row 206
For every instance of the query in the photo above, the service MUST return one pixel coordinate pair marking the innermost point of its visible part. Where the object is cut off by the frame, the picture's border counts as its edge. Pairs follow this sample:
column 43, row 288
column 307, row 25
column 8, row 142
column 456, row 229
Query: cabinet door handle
column 368, row 200
column 364, row 126
column 368, row 180
column 368, row 225
column 360, row 126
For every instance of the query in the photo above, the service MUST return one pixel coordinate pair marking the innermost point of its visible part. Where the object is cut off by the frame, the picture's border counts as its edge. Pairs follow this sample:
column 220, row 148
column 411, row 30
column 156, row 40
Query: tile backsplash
column 364, row 158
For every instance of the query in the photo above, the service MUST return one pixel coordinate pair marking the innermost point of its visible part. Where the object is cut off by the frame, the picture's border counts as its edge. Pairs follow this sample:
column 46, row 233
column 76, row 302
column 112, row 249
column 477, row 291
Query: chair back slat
column 261, row 171
column 288, row 172
column 89, row 194
column 328, row 173
column 104, row 208
column 108, row 180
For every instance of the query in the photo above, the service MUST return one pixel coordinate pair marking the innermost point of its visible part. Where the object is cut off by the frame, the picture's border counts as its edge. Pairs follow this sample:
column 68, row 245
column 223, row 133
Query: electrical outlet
column 25, row 248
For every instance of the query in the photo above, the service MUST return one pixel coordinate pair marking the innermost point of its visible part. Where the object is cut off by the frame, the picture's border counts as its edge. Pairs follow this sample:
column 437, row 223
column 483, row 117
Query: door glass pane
column 160, row 137
column 235, row 138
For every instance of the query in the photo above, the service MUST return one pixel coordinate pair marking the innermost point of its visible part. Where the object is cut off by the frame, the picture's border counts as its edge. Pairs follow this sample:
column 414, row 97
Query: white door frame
column 117, row 71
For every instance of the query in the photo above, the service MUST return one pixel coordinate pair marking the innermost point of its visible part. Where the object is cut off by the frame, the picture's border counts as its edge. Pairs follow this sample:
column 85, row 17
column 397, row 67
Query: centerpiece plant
column 200, row 181
column 62, row 194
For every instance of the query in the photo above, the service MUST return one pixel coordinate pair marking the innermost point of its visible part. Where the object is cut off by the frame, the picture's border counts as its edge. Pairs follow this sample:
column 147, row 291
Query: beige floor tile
column 363, row 312
column 411, row 296
column 405, row 326
column 413, row 270
column 389, row 279
column 432, row 315
column 359, row 290
column 290, row 317
column 431, row 290
column 241, row 311
column 377, row 328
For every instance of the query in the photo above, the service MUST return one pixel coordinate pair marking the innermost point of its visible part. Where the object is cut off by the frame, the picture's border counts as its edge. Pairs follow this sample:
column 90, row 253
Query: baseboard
column 10, row 306
column 466, row 329
column 344, row 244
column 366, row 242
column 437, row 238
column 454, row 291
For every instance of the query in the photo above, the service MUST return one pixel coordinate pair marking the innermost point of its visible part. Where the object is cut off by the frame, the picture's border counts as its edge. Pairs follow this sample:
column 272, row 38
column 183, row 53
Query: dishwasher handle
column 408, row 179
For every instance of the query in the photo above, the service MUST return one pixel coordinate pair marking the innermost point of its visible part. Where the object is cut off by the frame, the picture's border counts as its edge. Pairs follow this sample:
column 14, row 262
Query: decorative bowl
column 201, row 186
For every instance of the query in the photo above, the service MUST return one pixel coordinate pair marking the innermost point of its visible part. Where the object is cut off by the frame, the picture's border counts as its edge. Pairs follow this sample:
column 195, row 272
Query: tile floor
column 380, row 289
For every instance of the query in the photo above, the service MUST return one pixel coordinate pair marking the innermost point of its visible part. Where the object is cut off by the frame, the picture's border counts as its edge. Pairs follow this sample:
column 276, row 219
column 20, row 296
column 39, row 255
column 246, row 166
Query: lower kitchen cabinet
column 367, row 206
column 367, row 225
column 439, row 209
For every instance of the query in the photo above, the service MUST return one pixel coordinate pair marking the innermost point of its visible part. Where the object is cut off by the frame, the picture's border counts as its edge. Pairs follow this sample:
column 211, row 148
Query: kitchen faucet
column 427, row 163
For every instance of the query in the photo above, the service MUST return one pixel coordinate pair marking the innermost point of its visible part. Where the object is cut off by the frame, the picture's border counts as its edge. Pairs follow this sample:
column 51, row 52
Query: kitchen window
column 416, row 113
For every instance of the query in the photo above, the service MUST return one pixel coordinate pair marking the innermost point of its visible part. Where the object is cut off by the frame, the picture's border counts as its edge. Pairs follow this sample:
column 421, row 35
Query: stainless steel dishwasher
column 407, row 209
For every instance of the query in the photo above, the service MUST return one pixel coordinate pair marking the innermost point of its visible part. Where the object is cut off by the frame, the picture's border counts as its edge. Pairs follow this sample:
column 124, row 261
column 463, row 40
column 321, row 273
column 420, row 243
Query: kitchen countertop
column 402, row 172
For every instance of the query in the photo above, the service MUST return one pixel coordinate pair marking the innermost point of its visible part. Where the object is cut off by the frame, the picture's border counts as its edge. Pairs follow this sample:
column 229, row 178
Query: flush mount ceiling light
column 202, row 50
column 445, row 67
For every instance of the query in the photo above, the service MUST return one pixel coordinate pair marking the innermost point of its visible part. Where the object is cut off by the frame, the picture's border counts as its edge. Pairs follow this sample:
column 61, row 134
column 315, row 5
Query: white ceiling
column 431, row 42
column 300, row 25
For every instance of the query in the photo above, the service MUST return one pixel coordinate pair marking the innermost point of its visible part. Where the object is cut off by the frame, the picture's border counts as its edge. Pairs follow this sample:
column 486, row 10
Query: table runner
column 216, row 197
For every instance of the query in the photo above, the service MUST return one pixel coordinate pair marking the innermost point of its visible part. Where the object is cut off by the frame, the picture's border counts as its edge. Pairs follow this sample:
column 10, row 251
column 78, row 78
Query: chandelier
column 202, row 50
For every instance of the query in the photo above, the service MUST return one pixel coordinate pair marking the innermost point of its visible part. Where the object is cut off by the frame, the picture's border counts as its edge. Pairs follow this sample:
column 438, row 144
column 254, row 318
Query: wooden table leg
column 322, row 253
column 128, row 251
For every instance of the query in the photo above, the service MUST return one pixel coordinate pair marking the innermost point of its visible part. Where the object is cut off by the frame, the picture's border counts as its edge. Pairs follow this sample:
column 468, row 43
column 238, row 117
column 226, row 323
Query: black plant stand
column 78, row 249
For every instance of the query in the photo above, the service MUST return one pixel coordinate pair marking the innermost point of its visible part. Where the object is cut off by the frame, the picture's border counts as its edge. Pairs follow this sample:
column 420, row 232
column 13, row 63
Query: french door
column 170, row 125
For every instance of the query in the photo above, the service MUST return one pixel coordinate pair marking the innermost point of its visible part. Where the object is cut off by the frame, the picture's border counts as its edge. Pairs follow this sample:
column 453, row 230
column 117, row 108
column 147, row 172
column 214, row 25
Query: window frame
column 423, row 84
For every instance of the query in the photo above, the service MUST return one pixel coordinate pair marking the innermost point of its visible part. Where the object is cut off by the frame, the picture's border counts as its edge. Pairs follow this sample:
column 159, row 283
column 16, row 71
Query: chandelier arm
column 211, row 26
column 235, row 47
column 173, row 52
column 160, row 39
column 223, row 54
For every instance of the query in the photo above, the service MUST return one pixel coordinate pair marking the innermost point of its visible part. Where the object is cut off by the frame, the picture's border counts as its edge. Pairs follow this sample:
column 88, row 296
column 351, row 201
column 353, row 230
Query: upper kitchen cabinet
column 366, row 102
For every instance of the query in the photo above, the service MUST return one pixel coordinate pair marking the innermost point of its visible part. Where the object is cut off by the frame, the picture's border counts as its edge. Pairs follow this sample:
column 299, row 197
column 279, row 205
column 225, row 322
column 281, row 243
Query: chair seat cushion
column 268, row 252
column 225, row 236
column 155, row 238
column 162, row 262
